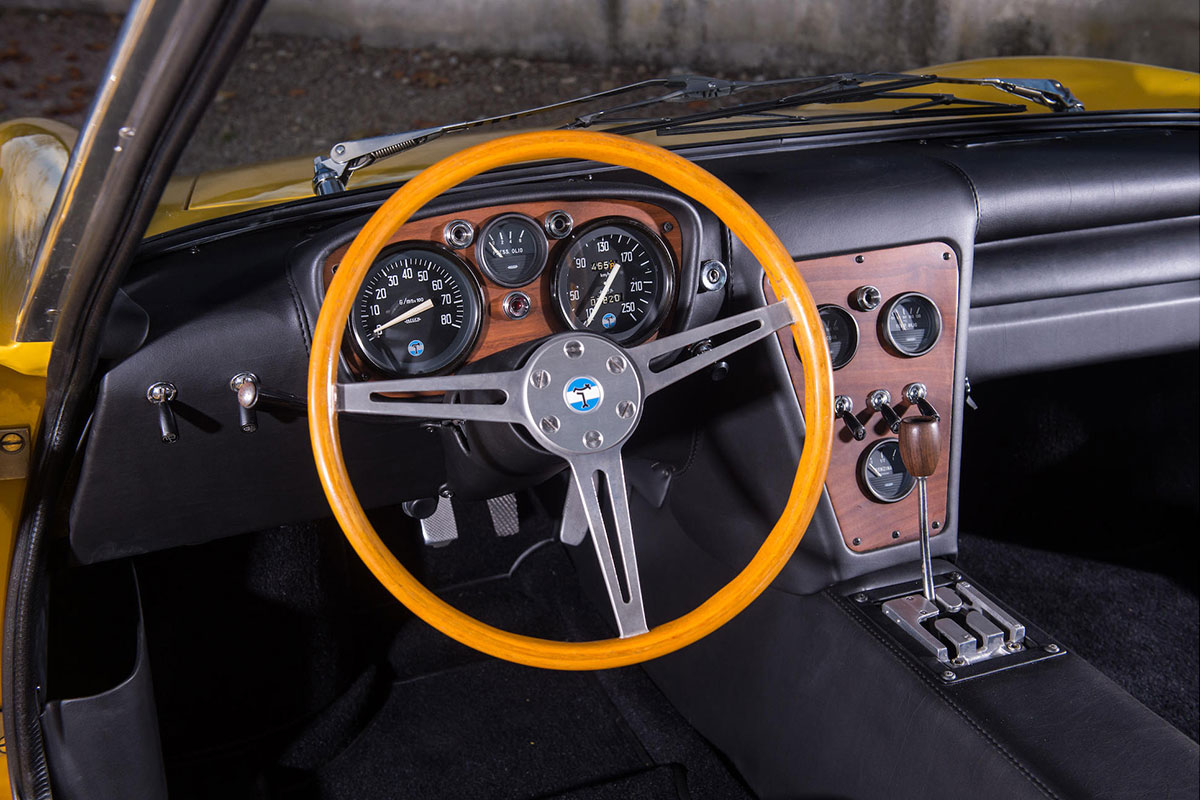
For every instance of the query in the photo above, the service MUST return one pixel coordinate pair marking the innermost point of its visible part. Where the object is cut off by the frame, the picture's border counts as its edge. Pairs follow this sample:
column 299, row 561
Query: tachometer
column 418, row 311
column 614, row 278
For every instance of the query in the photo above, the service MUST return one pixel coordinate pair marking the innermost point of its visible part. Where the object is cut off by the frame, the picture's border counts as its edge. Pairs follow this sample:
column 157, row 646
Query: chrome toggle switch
column 915, row 394
column 881, row 400
column 843, row 409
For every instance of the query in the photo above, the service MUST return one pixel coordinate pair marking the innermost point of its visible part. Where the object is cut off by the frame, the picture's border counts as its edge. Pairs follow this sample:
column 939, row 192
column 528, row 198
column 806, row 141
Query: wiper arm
column 332, row 173
column 1043, row 91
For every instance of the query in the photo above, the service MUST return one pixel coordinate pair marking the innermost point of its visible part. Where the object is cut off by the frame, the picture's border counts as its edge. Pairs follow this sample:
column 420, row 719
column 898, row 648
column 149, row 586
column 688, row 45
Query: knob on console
column 920, row 444
column 865, row 298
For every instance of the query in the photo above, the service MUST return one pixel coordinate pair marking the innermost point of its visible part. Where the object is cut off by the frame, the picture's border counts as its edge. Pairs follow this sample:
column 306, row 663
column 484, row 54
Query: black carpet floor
column 445, row 722
column 1140, row 628
column 1085, row 517
column 319, row 686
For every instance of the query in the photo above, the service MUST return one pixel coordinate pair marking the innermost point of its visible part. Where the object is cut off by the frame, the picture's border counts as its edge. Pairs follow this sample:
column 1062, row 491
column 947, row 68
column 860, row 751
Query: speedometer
column 614, row 278
column 418, row 311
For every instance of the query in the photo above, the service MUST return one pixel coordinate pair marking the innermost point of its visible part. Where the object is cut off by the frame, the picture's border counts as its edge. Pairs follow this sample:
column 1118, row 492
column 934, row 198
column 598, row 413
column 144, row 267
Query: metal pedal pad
column 440, row 528
column 505, row 519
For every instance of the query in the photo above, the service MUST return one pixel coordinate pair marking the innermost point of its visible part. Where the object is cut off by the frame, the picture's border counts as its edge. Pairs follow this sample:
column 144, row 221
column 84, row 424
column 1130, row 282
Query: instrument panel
column 890, row 320
column 455, row 288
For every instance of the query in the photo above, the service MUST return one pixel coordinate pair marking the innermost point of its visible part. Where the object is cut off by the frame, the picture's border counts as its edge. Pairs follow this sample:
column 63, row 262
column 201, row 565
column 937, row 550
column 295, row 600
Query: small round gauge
column 841, row 333
column 512, row 250
column 883, row 474
column 910, row 324
column 418, row 311
column 614, row 277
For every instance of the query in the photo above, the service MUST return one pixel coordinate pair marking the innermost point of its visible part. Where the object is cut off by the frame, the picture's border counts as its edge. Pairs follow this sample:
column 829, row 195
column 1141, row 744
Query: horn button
column 582, row 394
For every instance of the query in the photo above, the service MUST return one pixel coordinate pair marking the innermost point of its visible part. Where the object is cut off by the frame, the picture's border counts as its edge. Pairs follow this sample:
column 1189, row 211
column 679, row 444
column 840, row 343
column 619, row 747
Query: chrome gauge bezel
column 666, row 268
column 885, row 327
column 483, row 259
column 855, row 333
column 862, row 472
column 472, row 316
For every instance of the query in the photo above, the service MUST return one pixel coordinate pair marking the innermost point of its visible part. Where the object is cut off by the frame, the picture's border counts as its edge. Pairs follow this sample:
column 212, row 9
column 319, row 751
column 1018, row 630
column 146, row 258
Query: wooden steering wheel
column 590, row 444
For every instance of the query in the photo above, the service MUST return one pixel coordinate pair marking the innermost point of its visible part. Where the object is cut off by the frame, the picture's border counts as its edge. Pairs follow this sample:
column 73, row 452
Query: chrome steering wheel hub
column 581, row 394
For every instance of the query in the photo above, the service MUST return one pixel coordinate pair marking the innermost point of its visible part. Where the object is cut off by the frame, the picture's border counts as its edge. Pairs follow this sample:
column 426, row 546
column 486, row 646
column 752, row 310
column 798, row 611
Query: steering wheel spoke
column 394, row 398
column 599, row 480
column 746, row 329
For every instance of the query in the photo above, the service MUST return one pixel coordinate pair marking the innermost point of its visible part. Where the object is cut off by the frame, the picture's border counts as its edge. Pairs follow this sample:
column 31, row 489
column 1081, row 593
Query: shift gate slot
column 962, row 626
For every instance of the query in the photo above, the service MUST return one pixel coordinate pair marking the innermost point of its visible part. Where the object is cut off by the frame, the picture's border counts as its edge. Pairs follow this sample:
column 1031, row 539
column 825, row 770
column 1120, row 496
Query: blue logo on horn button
column 583, row 394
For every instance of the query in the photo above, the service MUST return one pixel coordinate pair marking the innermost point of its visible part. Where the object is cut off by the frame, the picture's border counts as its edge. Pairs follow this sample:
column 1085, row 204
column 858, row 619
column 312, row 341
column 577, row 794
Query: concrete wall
column 803, row 35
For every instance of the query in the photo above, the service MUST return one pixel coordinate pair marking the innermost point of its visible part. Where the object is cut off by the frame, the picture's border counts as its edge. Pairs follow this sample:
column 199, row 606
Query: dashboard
column 928, row 262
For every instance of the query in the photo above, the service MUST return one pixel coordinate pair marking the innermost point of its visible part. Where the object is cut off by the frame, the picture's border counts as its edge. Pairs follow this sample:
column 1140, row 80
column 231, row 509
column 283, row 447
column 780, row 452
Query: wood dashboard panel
column 932, row 270
column 498, row 332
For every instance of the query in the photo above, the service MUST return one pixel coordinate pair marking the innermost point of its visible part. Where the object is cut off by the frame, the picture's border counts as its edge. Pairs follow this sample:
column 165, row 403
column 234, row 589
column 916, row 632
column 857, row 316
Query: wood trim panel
column 498, row 332
column 931, row 269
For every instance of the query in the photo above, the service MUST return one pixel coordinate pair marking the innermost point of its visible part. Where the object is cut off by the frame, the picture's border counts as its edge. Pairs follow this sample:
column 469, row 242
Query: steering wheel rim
column 326, row 398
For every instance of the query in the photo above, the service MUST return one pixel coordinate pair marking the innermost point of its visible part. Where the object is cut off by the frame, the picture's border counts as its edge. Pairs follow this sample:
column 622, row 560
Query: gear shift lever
column 920, row 443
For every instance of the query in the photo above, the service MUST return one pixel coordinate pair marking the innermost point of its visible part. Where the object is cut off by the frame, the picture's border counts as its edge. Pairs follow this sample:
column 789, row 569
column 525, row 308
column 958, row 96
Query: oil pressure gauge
column 511, row 250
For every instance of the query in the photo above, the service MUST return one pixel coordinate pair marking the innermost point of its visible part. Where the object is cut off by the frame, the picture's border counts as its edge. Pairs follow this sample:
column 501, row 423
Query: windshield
column 311, row 77
column 304, row 83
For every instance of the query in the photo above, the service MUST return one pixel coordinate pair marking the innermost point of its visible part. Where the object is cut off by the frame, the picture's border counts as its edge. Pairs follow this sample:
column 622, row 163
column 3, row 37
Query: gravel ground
column 49, row 63
column 286, row 95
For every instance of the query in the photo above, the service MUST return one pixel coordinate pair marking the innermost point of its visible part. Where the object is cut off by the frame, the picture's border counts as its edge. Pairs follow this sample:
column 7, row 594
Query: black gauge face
column 910, row 324
column 512, row 250
column 418, row 311
column 841, row 334
column 883, row 473
column 614, row 278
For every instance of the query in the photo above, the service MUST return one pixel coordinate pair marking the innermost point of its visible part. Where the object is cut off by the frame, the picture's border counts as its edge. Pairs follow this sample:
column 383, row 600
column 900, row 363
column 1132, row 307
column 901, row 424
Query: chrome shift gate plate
column 965, row 634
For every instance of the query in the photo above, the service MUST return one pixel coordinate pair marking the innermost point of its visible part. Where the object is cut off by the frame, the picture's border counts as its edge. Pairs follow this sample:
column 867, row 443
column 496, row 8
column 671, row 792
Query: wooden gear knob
column 920, row 443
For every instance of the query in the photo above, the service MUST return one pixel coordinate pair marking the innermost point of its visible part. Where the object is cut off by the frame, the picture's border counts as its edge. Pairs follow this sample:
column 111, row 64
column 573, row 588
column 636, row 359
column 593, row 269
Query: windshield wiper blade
column 924, row 110
column 332, row 173
column 850, row 88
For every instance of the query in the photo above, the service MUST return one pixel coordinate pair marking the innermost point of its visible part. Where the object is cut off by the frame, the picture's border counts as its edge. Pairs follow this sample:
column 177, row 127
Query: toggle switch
column 881, row 400
column 247, row 417
column 253, row 395
column 160, row 395
column 843, row 409
column 915, row 394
